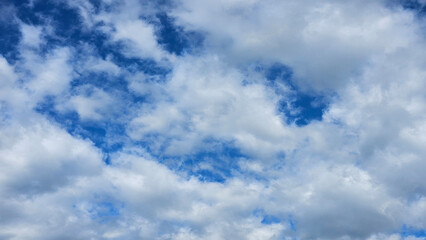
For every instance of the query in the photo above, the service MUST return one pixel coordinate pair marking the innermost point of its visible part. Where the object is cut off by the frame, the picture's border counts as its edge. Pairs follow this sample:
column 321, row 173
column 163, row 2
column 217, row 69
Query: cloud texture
column 214, row 119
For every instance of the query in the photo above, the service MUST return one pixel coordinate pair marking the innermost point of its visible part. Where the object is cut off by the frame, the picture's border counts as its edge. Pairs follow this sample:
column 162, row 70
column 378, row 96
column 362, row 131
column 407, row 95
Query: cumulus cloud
column 324, row 42
column 38, row 159
column 31, row 35
column 104, row 134
column 90, row 103
column 215, row 103
column 126, row 24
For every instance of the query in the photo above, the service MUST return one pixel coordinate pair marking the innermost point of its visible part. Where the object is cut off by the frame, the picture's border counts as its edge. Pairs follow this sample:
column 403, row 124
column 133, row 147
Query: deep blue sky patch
column 174, row 38
column 300, row 108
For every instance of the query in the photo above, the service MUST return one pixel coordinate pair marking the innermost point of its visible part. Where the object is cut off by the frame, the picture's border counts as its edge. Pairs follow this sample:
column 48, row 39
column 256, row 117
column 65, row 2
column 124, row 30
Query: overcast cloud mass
column 213, row 119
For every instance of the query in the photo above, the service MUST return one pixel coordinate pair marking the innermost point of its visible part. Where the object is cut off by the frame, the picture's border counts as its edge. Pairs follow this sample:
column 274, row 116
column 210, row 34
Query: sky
column 213, row 119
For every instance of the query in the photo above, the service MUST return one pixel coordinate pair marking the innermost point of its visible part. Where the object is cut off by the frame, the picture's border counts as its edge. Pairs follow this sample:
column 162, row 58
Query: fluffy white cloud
column 324, row 42
column 125, row 24
column 205, row 99
column 42, row 158
column 356, row 174
column 46, row 76
column 31, row 35
column 90, row 103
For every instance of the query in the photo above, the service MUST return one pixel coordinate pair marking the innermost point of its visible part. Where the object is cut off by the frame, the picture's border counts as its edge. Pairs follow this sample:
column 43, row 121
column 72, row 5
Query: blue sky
column 214, row 119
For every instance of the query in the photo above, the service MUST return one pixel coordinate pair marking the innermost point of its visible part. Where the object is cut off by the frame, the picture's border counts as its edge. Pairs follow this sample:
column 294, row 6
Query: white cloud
column 31, row 35
column 89, row 102
column 125, row 24
column 324, row 42
column 98, row 65
column 357, row 174
column 42, row 158
column 7, row 79
column 139, row 37
column 50, row 75
column 207, row 99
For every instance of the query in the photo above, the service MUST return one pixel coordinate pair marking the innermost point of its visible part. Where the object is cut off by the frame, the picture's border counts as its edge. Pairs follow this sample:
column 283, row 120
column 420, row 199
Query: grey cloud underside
column 357, row 173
